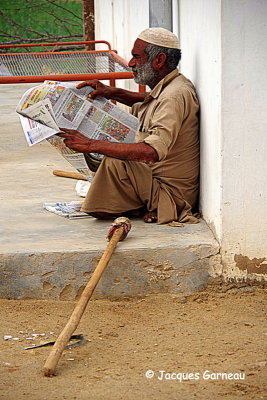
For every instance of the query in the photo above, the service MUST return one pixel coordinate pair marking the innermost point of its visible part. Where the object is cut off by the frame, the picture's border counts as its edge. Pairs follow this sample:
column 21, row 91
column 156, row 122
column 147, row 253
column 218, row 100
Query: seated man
column 158, row 175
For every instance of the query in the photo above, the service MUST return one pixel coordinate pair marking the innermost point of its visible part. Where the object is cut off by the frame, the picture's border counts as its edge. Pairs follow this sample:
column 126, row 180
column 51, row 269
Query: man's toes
column 150, row 217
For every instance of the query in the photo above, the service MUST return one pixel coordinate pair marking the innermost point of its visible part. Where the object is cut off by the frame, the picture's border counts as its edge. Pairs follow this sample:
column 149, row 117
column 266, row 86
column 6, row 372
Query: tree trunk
column 89, row 22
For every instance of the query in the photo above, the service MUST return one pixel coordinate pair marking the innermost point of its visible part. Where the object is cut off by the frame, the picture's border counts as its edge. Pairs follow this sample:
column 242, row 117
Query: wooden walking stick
column 68, row 174
column 119, row 230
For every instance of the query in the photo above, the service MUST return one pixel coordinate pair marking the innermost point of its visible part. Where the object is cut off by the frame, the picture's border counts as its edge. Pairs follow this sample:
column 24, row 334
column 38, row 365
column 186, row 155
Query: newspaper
column 46, row 108
column 69, row 210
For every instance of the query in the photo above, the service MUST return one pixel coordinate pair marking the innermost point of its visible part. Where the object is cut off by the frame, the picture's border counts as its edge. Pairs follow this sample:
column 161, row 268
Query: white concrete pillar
column 224, row 52
column 244, row 130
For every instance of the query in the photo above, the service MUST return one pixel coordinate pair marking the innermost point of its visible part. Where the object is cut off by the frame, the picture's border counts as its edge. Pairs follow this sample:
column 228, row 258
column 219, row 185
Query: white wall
column 225, row 54
column 200, row 31
column 244, row 100
column 119, row 22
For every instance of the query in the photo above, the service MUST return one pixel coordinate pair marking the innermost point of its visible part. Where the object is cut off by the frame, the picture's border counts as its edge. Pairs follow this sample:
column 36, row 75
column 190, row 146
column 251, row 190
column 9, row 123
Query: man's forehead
column 139, row 46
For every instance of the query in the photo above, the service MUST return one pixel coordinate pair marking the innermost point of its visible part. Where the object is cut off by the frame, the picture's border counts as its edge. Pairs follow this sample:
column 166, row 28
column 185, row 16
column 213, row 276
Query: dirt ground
column 187, row 341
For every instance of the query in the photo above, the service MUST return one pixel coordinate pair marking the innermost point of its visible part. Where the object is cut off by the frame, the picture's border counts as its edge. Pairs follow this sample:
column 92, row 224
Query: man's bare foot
column 150, row 217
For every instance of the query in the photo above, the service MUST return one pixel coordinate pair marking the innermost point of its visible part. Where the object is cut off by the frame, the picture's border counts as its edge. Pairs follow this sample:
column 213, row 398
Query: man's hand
column 109, row 92
column 100, row 89
column 76, row 141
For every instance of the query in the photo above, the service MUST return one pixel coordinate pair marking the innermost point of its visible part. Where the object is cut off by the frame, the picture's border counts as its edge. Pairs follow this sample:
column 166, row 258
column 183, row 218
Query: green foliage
column 34, row 21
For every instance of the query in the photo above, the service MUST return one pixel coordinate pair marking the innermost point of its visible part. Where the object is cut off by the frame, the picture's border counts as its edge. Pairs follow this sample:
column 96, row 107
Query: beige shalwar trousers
column 121, row 186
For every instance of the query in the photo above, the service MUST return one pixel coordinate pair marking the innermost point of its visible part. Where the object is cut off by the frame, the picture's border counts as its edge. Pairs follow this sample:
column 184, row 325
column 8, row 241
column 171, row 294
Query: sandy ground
column 220, row 330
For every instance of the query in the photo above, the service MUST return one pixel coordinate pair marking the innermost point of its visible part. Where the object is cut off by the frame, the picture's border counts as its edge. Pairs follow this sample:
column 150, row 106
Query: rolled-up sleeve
column 166, row 123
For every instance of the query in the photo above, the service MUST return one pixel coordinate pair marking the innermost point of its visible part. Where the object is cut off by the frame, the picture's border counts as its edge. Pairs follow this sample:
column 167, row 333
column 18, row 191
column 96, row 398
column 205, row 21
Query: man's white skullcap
column 160, row 37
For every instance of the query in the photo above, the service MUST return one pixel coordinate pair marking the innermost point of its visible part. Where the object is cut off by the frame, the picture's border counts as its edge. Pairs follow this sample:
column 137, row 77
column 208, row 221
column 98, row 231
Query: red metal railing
column 62, row 65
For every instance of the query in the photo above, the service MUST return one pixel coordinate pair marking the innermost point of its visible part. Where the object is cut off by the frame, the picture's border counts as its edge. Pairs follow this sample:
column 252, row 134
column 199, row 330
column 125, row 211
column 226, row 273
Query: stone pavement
column 43, row 255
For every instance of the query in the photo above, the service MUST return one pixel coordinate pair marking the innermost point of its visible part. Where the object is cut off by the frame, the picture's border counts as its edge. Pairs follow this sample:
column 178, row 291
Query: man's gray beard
column 145, row 75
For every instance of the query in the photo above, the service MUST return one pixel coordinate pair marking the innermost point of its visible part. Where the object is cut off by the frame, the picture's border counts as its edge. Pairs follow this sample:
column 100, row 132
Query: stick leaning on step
column 118, row 232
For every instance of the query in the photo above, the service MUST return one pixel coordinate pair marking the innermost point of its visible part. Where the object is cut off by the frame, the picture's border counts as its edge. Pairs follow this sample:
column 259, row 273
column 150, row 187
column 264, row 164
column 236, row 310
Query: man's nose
column 131, row 63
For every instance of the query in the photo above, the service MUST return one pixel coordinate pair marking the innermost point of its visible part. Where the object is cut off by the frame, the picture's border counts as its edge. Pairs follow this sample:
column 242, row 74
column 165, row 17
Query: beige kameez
column 168, row 121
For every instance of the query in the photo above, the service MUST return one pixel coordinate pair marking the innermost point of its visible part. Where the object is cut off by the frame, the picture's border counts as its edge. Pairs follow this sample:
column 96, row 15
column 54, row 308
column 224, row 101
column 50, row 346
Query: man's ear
column 159, row 61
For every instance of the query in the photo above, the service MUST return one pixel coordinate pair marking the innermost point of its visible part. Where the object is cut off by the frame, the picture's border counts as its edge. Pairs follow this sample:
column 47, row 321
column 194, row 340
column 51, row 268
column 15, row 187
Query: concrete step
column 43, row 255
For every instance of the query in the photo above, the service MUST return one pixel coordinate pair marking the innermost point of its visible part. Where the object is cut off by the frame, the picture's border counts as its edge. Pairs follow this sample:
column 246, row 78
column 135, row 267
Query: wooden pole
column 68, row 174
column 89, row 22
column 61, row 342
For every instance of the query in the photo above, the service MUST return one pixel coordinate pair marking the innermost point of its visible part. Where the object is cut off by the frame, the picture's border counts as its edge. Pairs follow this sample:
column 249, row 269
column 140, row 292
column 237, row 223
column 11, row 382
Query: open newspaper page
column 54, row 105
column 71, row 210
column 36, row 131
